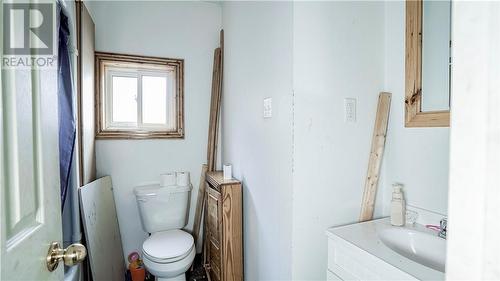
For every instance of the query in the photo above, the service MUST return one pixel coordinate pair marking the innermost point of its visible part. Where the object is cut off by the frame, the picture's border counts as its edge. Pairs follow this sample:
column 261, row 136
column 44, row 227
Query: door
column 29, row 171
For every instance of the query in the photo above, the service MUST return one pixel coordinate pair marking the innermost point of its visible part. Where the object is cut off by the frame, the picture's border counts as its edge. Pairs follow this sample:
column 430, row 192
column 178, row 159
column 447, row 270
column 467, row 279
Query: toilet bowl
column 169, row 251
column 169, row 254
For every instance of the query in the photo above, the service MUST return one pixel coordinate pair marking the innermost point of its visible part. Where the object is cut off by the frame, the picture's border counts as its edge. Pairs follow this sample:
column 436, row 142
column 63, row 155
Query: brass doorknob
column 73, row 254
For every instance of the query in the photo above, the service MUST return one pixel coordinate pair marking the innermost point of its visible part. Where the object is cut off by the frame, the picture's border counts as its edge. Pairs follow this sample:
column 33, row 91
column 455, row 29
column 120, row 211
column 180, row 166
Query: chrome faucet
column 442, row 228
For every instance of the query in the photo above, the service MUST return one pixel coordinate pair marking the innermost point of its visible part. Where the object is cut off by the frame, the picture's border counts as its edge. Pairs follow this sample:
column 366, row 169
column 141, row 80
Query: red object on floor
column 137, row 272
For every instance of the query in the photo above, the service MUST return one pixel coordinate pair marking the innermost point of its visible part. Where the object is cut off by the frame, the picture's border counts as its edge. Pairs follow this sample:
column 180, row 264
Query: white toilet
column 169, row 252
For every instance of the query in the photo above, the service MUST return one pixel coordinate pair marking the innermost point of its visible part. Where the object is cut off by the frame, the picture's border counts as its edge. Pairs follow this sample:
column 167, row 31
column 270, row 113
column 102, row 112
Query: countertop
column 364, row 236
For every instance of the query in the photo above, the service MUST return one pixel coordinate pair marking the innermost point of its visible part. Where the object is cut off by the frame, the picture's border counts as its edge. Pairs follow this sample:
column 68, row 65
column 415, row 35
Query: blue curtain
column 67, row 127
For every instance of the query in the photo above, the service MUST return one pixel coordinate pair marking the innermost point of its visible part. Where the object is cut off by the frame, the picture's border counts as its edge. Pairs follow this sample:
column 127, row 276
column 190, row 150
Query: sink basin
column 425, row 248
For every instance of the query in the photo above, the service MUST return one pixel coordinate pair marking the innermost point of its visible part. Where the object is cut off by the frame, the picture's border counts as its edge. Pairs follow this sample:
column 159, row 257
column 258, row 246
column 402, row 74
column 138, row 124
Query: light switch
column 350, row 110
column 268, row 107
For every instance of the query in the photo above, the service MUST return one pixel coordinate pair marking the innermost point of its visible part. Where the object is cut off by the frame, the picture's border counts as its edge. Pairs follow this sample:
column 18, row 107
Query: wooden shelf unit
column 223, row 228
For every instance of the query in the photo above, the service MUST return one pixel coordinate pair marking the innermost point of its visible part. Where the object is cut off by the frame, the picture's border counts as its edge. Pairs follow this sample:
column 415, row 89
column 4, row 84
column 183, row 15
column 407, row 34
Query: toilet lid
column 168, row 244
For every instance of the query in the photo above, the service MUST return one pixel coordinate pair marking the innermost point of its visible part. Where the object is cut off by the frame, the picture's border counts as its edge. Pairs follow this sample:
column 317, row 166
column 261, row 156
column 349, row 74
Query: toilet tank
column 162, row 208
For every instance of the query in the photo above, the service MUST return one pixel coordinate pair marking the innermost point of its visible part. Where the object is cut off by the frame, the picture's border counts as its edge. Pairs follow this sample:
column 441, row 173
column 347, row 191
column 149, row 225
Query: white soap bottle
column 398, row 206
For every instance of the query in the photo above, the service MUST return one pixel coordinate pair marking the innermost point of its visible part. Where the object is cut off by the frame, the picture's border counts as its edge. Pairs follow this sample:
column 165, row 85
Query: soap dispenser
column 398, row 205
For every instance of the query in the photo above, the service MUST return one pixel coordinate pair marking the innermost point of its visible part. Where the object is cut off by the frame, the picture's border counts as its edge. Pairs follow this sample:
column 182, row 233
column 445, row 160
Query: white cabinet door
column 29, row 171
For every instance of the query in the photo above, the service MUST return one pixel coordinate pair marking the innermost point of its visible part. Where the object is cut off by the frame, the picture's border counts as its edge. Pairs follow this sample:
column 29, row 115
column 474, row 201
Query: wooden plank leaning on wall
column 376, row 153
column 213, row 131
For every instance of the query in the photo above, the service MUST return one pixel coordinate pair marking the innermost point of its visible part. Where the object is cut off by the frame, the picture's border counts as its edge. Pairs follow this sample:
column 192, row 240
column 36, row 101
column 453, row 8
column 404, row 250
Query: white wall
column 339, row 49
column 473, row 252
column 338, row 53
column 188, row 30
column 416, row 157
column 258, row 64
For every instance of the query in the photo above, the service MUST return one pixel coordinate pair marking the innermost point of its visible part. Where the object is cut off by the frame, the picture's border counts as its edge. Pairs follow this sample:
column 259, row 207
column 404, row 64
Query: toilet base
column 181, row 277
column 175, row 271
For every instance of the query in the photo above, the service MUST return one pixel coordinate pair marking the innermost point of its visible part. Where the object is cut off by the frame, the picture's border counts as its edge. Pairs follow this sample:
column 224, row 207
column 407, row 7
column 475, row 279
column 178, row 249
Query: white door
column 29, row 172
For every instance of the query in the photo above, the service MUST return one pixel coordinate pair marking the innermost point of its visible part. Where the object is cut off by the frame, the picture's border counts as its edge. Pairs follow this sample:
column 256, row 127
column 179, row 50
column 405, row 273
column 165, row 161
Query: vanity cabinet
column 223, row 228
column 348, row 262
column 356, row 252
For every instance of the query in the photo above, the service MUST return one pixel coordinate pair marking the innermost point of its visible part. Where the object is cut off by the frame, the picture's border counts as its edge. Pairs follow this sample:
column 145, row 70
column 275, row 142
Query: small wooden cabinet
column 223, row 228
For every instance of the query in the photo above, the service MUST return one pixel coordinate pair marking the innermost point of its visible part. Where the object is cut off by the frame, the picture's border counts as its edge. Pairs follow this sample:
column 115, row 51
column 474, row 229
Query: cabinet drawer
column 214, row 210
column 215, row 260
column 214, row 271
column 215, row 252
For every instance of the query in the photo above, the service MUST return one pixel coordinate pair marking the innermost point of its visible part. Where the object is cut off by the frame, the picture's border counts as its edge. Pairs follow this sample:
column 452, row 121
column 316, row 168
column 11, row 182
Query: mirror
column 428, row 63
column 436, row 42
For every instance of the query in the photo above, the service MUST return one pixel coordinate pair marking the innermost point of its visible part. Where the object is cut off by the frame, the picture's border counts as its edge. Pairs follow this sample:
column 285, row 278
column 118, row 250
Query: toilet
column 169, row 251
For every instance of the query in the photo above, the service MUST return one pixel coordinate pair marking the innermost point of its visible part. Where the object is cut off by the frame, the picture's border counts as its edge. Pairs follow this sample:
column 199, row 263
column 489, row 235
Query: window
column 138, row 97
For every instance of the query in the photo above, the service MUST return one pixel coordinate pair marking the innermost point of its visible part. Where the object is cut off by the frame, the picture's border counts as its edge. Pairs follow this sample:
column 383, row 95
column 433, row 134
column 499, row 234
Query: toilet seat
column 168, row 246
column 170, row 260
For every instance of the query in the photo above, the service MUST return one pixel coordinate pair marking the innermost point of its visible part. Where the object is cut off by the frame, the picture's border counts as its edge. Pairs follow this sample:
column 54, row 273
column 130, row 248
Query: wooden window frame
column 102, row 132
column 414, row 116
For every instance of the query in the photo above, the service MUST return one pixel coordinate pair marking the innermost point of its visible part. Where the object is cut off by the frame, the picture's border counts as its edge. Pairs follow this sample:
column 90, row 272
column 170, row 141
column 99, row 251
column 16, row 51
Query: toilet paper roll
column 227, row 171
column 183, row 178
column 168, row 179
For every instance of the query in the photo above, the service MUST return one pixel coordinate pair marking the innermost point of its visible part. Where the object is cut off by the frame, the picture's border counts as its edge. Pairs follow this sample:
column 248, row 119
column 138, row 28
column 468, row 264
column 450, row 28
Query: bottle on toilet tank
column 398, row 205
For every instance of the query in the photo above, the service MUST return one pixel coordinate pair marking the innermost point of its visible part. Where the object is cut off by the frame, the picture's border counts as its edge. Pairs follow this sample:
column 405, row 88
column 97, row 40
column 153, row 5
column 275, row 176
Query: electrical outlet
column 350, row 110
column 268, row 107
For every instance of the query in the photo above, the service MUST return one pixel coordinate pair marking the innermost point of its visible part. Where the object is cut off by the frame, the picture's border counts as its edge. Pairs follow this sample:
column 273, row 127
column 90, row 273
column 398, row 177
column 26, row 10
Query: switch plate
column 350, row 110
column 268, row 108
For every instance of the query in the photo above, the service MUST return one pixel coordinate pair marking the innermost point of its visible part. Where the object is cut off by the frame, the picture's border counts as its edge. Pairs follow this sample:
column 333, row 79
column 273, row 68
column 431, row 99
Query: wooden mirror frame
column 414, row 116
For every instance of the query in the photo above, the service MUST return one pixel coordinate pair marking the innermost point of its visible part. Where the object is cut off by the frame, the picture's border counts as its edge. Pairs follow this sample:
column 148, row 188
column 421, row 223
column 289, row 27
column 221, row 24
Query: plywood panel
column 102, row 233
column 87, row 121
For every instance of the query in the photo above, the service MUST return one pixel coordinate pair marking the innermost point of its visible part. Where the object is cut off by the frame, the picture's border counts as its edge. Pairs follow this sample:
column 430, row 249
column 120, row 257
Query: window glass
column 154, row 100
column 124, row 99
